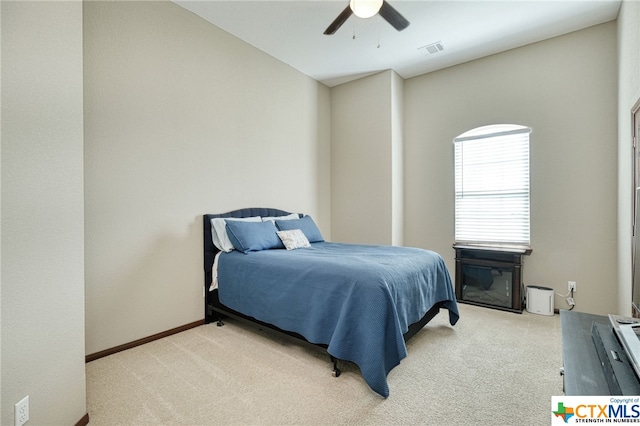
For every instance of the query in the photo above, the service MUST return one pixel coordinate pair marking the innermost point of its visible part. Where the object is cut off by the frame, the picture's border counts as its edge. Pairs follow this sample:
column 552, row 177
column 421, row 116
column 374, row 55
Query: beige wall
column 397, row 160
column 1, row 406
column 628, row 95
column 42, row 223
column 366, row 139
column 565, row 90
column 183, row 119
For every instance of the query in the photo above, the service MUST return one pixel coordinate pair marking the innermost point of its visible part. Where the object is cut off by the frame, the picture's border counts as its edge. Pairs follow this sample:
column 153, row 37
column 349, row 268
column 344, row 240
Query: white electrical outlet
column 21, row 410
column 571, row 285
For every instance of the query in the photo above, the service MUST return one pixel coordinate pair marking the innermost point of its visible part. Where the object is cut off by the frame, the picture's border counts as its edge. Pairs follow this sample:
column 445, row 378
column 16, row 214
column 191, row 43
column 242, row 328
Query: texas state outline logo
column 565, row 413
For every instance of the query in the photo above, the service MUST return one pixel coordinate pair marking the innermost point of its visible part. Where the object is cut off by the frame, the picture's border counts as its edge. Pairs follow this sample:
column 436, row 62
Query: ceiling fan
column 366, row 9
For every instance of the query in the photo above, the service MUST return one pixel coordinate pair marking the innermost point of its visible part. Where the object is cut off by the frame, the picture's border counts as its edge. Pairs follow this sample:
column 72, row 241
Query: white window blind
column 492, row 185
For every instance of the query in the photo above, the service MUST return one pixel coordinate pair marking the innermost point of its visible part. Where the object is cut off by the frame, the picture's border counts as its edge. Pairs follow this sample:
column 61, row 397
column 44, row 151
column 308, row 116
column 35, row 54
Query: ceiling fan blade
column 337, row 23
column 393, row 17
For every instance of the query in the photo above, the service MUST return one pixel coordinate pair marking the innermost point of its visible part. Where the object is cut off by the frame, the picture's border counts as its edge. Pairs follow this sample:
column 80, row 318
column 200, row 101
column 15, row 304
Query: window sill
column 508, row 248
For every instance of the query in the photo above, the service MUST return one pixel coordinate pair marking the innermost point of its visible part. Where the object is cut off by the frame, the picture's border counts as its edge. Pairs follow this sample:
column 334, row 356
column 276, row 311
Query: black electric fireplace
column 490, row 277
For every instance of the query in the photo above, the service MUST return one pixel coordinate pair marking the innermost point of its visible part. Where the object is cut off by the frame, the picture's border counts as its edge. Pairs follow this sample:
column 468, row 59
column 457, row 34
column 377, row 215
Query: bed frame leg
column 219, row 323
column 336, row 371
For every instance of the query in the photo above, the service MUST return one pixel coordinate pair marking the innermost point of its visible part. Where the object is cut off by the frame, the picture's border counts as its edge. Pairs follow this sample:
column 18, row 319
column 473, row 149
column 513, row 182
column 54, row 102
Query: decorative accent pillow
column 306, row 224
column 253, row 236
column 293, row 239
column 219, row 231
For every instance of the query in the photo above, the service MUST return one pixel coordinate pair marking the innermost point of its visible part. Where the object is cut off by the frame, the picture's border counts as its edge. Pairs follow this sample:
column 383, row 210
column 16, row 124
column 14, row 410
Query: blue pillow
column 253, row 236
column 306, row 224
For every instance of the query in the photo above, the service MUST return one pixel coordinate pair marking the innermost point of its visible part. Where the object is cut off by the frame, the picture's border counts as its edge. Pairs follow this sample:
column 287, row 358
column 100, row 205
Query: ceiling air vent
column 432, row 48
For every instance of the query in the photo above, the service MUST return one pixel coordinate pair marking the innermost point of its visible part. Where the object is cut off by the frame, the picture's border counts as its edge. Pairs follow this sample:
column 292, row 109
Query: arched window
column 492, row 185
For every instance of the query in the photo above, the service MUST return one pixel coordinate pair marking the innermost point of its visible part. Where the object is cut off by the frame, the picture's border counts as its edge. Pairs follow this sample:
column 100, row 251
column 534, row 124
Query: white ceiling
column 292, row 31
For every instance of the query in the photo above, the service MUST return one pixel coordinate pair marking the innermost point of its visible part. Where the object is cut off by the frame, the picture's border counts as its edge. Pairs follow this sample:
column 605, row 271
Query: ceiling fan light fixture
column 365, row 8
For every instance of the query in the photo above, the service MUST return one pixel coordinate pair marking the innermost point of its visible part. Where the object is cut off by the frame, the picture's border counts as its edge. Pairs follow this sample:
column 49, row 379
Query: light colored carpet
column 492, row 368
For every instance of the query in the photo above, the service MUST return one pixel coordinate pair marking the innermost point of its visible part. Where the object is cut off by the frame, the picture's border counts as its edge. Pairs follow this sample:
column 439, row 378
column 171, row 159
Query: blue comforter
column 357, row 299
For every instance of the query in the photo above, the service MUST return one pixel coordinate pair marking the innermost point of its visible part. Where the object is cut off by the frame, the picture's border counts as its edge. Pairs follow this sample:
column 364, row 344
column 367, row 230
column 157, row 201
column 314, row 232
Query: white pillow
column 219, row 231
column 287, row 217
column 293, row 239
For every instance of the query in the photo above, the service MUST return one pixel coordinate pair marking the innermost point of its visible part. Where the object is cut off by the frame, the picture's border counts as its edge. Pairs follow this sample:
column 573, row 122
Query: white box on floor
column 539, row 300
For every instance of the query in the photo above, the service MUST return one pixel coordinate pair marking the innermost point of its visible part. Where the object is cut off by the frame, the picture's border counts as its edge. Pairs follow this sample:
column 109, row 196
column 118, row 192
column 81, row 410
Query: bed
column 359, row 303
